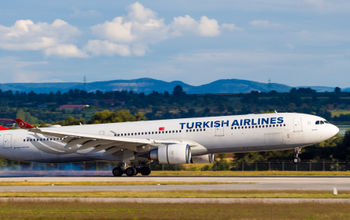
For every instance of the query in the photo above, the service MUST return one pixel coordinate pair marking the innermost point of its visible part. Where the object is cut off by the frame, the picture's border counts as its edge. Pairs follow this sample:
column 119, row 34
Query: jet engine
column 206, row 158
column 172, row 154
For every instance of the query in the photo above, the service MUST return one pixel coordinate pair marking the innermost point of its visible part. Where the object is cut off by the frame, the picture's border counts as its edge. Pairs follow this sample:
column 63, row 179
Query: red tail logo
column 23, row 124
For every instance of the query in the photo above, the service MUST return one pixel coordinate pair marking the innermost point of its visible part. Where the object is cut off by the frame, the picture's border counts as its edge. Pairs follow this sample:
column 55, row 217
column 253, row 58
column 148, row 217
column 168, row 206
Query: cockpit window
column 321, row 122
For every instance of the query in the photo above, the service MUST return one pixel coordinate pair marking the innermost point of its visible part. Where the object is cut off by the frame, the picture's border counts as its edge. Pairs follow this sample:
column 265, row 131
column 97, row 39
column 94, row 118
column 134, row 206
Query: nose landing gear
column 297, row 151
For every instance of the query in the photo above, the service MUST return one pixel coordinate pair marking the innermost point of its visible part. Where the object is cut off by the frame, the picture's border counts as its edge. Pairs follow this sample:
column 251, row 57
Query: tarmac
column 228, row 183
column 180, row 200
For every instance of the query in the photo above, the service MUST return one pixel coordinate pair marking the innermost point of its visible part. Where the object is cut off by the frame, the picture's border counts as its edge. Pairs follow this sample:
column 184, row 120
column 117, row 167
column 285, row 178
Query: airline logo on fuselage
column 228, row 123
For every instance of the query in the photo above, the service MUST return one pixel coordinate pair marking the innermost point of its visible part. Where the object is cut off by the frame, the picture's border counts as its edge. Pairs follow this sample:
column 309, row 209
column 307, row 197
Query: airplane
column 171, row 141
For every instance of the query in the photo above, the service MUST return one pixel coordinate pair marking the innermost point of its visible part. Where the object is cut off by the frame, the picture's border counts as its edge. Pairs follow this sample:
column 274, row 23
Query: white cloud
column 183, row 24
column 127, row 35
column 208, row 27
column 230, row 27
column 116, row 30
column 264, row 24
column 65, row 50
column 27, row 35
column 98, row 47
column 142, row 27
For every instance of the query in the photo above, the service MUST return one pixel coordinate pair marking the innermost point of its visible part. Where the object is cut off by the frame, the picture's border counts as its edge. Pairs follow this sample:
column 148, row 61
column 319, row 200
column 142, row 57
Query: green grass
column 80, row 210
column 339, row 112
column 184, row 194
column 249, row 173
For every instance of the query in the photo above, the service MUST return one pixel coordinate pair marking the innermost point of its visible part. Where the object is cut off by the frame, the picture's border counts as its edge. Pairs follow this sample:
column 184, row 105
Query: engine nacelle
column 172, row 154
column 206, row 158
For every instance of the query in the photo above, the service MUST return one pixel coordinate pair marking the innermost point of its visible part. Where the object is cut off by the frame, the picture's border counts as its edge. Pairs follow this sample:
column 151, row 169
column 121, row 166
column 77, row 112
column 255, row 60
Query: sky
column 294, row 42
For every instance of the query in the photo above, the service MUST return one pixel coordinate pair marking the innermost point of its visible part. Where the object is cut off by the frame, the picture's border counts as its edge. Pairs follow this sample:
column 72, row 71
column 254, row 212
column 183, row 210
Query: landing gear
column 145, row 171
column 131, row 171
column 297, row 151
column 118, row 171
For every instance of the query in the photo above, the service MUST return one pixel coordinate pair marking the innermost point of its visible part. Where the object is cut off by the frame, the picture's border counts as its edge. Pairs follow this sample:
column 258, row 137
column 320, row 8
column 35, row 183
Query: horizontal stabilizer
column 3, row 128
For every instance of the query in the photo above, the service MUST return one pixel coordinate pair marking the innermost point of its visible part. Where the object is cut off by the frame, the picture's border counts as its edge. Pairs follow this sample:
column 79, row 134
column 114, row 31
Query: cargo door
column 273, row 139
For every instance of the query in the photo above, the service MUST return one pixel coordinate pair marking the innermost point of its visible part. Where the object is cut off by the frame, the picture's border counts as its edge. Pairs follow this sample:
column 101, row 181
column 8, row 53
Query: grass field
column 78, row 210
column 250, row 173
column 339, row 112
column 185, row 194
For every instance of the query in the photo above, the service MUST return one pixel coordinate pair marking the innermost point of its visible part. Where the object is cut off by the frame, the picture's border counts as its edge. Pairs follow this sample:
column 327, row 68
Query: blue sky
column 295, row 42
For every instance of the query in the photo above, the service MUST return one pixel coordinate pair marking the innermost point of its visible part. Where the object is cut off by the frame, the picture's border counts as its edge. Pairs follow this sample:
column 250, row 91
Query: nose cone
column 334, row 130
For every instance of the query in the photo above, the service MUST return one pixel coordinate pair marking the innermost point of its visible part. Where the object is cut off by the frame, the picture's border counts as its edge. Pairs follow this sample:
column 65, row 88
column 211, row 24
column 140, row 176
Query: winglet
column 4, row 128
column 23, row 124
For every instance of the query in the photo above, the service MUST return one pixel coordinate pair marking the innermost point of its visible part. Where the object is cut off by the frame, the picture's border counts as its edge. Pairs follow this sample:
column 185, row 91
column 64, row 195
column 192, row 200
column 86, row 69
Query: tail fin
column 23, row 124
column 3, row 128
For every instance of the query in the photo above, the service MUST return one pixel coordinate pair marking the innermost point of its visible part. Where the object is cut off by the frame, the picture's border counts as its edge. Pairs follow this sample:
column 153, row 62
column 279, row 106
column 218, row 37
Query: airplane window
column 317, row 122
column 321, row 122
column 326, row 122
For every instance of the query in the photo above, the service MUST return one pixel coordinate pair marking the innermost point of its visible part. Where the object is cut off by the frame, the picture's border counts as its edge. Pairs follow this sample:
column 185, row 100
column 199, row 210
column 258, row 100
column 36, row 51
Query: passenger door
column 7, row 140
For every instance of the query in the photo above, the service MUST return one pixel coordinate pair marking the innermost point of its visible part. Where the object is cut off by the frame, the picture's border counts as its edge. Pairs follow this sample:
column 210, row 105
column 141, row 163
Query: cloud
column 98, row 47
column 263, row 24
column 208, row 27
column 25, row 35
column 128, row 35
column 142, row 27
column 65, row 50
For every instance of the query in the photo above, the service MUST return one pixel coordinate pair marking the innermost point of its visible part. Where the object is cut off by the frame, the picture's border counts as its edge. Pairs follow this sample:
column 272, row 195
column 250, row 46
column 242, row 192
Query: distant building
column 73, row 107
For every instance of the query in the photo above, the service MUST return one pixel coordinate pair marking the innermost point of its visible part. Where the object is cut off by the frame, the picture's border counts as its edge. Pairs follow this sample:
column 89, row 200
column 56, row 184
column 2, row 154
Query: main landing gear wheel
column 297, row 151
column 145, row 171
column 131, row 171
column 117, row 171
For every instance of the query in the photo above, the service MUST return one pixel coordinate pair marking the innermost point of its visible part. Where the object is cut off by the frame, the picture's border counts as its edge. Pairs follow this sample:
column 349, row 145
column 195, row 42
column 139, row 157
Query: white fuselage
column 240, row 133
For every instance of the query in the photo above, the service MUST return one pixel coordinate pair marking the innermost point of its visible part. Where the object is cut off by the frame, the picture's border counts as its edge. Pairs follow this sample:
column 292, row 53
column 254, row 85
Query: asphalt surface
column 230, row 183
column 180, row 200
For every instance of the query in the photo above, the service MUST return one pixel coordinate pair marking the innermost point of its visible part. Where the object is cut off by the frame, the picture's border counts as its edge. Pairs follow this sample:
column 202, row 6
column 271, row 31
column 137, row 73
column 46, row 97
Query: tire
column 117, row 171
column 145, row 171
column 130, row 171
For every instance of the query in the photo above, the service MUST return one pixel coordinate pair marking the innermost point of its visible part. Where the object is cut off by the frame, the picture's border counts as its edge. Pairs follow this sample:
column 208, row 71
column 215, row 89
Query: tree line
column 36, row 108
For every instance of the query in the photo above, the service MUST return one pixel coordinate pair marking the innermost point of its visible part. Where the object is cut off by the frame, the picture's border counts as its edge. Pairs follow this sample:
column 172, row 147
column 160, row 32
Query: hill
column 148, row 85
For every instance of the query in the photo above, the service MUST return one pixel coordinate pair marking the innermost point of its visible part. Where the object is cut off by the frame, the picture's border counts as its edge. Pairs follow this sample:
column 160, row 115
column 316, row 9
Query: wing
column 111, row 144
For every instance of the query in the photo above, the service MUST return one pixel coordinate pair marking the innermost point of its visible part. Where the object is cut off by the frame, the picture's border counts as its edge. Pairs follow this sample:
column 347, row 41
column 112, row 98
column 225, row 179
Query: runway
column 228, row 183
column 181, row 200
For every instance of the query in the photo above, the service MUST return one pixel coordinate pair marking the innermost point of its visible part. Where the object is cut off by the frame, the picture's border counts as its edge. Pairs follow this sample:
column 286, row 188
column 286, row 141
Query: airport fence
column 237, row 166
column 290, row 166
